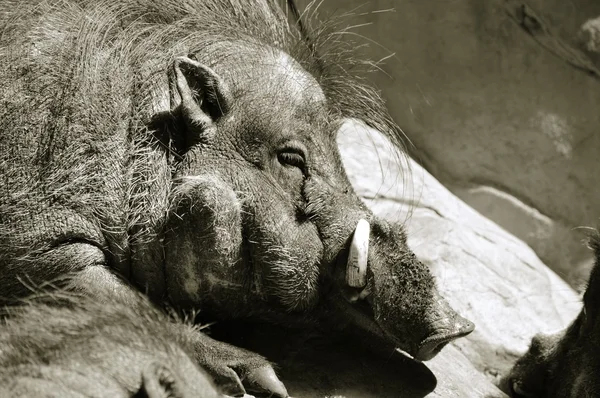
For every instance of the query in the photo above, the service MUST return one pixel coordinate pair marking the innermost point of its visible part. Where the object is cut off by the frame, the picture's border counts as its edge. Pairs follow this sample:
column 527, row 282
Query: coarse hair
column 81, row 79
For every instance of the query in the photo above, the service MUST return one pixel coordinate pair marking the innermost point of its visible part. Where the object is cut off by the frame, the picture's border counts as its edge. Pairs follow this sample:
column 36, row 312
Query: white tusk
column 356, row 268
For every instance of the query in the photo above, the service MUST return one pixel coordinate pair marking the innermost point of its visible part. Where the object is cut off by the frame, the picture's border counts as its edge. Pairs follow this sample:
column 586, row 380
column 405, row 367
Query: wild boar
column 565, row 364
column 187, row 148
column 65, row 345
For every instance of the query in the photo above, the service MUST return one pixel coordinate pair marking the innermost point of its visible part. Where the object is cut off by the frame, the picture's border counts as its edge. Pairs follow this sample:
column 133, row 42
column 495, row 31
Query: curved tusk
column 356, row 268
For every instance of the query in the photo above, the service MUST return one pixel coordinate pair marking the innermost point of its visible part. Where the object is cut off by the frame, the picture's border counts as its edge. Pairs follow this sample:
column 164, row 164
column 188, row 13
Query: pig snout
column 533, row 374
column 444, row 325
column 426, row 330
column 384, row 279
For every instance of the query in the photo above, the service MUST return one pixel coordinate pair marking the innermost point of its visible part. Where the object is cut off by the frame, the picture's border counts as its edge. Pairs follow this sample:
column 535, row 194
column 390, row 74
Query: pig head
column 264, row 222
column 566, row 363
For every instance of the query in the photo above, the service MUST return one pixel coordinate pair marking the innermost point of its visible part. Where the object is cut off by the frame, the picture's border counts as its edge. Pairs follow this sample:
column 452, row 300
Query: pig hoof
column 260, row 382
column 227, row 380
column 264, row 380
column 237, row 371
column 517, row 390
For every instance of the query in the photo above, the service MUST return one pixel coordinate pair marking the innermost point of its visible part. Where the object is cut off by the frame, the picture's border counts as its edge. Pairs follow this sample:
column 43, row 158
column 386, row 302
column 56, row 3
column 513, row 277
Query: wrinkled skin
column 565, row 364
column 199, row 164
column 280, row 245
column 87, row 348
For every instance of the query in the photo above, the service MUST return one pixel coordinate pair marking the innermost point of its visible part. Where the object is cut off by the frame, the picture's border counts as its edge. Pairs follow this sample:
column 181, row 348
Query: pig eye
column 292, row 157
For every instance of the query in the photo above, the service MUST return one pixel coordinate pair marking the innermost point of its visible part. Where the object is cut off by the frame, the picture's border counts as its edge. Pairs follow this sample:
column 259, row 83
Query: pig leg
column 78, row 267
column 233, row 369
column 52, row 268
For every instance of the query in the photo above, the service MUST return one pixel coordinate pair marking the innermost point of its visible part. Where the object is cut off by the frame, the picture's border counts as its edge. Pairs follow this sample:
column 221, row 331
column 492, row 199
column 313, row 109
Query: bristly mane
column 143, row 35
column 81, row 79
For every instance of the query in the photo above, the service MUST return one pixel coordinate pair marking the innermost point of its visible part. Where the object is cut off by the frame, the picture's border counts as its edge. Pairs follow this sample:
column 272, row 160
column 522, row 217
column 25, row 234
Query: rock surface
column 500, row 99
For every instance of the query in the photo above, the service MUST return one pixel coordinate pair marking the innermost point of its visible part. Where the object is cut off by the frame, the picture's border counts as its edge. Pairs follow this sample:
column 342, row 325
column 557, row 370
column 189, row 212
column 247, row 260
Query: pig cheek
column 203, row 242
column 582, row 385
column 286, row 254
column 577, row 375
column 586, row 382
column 201, row 274
column 293, row 280
column 531, row 373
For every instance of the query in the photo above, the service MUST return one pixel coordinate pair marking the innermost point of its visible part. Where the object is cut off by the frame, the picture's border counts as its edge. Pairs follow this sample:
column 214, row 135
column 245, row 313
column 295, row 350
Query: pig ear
column 200, row 94
column 158, row 381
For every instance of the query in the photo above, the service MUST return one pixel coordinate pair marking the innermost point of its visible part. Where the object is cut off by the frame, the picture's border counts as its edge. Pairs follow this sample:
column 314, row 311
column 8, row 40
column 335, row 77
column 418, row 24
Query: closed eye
column 291, row 158
column 292, row 153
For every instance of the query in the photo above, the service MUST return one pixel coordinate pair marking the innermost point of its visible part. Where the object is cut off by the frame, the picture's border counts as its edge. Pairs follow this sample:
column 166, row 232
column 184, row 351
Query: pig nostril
column 466, row 328
column 433, row 344
column 517, row 390
column 432, row 352
column 431, row 347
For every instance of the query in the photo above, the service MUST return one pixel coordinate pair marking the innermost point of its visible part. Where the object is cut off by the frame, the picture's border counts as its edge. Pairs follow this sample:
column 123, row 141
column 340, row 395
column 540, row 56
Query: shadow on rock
column 312, row 365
